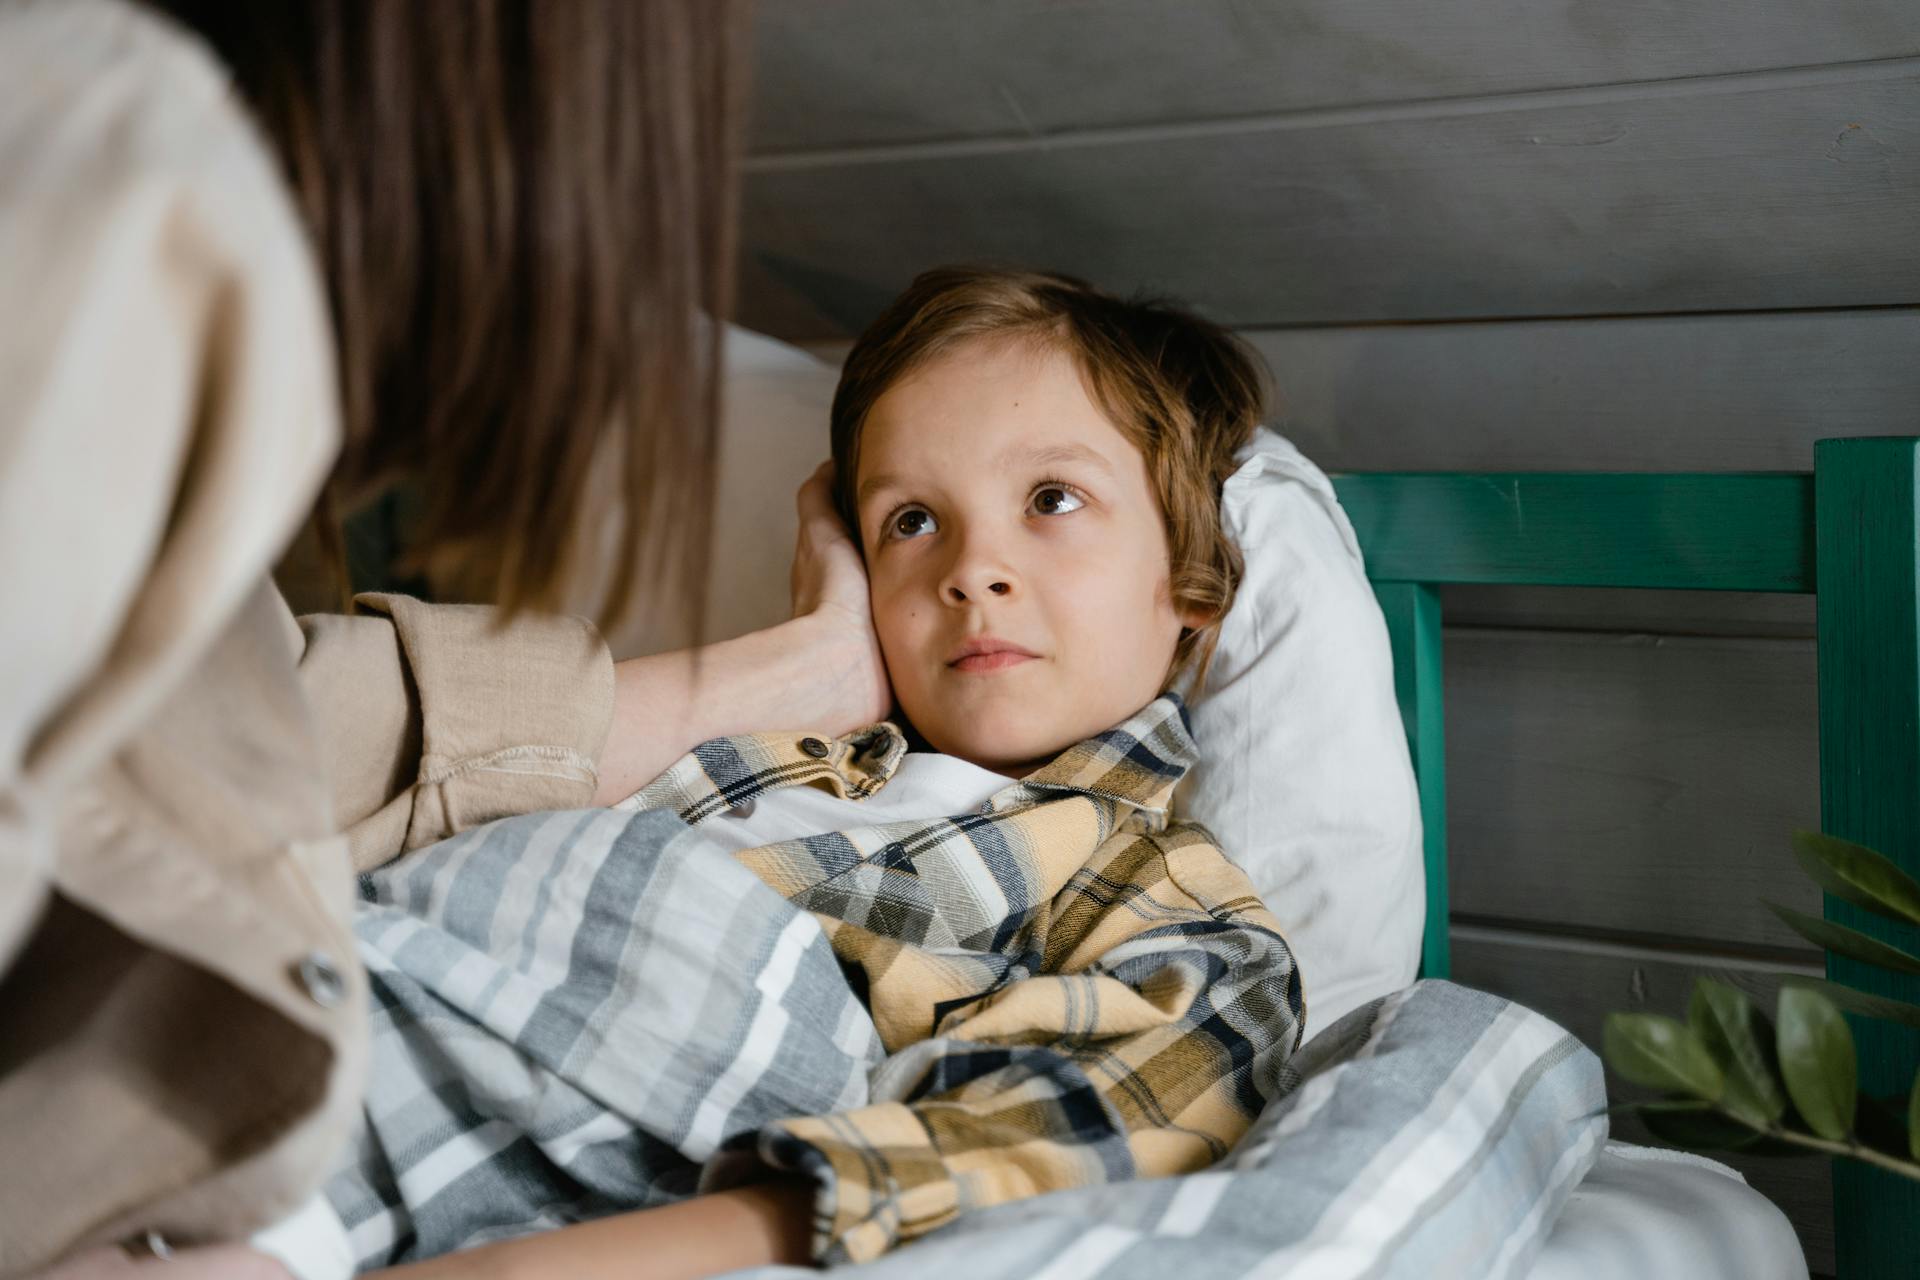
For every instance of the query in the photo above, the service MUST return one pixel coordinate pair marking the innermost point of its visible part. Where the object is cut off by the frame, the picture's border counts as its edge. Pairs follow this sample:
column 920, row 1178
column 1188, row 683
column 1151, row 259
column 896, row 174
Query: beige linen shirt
column 187, row 775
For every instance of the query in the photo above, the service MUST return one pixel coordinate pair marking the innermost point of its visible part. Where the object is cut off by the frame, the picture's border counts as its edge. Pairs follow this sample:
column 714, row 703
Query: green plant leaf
column 1723, row 1019
column 1817, row 1059
column 1847, row 942
column 1661, row 1053
column 1913, row 1118
column 1871, row 1006
column 1857, row 874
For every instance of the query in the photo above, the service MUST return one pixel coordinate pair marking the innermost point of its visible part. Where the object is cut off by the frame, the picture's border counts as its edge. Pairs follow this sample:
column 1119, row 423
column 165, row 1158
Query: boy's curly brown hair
column 1183, row 390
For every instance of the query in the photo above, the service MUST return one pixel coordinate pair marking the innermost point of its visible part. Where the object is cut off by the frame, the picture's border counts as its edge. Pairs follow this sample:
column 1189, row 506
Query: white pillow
column 1304, row 777
column 1304, row 774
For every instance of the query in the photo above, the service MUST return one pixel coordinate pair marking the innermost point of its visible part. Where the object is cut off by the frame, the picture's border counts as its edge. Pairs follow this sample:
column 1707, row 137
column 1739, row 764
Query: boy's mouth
column 989, row 653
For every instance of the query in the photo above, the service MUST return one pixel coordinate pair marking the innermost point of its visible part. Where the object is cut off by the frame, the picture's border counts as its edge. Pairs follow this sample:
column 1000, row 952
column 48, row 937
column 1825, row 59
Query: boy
column 1057, row 985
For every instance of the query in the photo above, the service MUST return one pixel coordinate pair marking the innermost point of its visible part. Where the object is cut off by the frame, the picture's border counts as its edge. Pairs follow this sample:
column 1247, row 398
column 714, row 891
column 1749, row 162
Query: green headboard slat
column 1703, row 532
column 1869, row 610
column 1413, row 627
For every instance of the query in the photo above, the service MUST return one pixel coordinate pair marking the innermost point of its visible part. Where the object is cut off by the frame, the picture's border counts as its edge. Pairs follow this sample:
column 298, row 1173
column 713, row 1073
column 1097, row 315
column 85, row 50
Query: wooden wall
column 1466, row 234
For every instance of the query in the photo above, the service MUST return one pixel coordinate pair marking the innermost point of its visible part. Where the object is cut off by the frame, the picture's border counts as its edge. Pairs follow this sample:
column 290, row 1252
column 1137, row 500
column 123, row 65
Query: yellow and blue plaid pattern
column 1071, row 987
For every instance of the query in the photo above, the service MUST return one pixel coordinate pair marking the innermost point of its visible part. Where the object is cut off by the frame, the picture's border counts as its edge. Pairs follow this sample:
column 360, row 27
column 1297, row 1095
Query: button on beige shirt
column 188, row 776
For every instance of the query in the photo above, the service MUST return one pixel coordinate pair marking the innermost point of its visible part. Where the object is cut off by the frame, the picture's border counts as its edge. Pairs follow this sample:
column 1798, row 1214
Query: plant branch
column 1905, row 1168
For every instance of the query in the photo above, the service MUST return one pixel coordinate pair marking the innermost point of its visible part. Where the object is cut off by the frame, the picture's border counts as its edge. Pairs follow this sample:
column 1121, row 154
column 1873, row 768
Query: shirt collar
column 1137, row 762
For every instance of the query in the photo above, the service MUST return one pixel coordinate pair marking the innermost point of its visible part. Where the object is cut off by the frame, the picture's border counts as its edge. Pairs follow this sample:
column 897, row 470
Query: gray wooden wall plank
column 1677, row 613
column 1639, row 785
column 1654, row 393
column 1795, row 195
column 832, row 73
column 1578, row 984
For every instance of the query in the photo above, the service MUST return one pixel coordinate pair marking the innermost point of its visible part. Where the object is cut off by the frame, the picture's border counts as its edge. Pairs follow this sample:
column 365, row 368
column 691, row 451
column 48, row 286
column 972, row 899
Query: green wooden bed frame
column 1846, row 533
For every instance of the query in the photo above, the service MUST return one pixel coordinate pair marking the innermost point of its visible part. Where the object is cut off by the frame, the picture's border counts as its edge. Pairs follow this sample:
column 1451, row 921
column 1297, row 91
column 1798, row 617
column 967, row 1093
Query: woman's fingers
column 830, row 582
column 816, row 492
column 820, row 520
column 827, row 569
column 815, row 501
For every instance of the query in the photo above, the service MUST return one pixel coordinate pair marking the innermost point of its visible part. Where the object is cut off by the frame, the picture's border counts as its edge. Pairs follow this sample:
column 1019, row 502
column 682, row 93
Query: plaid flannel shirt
column 1072, row 988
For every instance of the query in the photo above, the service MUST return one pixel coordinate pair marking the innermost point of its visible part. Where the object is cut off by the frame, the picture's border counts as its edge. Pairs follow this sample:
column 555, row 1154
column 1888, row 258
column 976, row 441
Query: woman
column 461, row 243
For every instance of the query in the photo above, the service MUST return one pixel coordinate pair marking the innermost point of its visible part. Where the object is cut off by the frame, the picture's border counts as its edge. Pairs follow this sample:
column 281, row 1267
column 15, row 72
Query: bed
column 1848, row 527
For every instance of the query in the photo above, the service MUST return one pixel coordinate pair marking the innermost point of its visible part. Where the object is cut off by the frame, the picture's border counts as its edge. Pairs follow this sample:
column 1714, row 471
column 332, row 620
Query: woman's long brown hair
column 524, row 214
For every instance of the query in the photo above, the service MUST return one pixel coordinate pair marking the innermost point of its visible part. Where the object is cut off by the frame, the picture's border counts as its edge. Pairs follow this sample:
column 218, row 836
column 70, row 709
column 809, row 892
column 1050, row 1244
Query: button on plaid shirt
column 1071, row 987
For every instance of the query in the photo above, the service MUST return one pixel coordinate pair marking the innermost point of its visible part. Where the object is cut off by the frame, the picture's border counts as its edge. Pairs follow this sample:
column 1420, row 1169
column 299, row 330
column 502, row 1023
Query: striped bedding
column 584, row 1012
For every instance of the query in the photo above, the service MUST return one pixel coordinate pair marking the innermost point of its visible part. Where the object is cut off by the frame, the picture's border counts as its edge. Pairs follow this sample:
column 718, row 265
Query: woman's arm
column 822, row 670
column 763, row 1224
column 433, row 718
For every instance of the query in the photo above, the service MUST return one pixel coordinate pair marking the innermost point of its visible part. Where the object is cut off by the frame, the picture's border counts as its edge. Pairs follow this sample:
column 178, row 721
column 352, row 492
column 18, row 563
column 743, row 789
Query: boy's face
column 1017, row 555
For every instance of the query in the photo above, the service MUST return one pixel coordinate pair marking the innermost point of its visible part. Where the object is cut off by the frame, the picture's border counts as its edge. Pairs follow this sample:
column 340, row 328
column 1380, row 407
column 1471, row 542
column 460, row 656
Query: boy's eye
column 911, row 523
column 1056, row 499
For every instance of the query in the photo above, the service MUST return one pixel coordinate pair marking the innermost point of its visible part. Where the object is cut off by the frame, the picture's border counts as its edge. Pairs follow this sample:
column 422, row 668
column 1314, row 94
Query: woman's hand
column 821, row 671
column 830, row 586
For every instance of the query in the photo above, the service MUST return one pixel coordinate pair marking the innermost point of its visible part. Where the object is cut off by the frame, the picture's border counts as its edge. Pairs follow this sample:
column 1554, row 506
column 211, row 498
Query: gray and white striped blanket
column 577, row 1013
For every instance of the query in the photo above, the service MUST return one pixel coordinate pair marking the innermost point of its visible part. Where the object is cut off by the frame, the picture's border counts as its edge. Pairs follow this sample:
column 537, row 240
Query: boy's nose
column 978, row 566
column 958, row 595
column 973, row 577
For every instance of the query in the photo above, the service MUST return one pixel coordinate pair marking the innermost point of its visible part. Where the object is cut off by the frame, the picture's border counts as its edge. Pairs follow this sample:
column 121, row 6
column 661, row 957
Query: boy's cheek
column 901, row 648
column 894, row 624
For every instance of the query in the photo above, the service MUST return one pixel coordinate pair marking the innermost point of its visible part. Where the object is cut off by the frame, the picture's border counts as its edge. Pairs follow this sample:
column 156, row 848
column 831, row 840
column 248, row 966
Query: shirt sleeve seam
column 563, row 763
